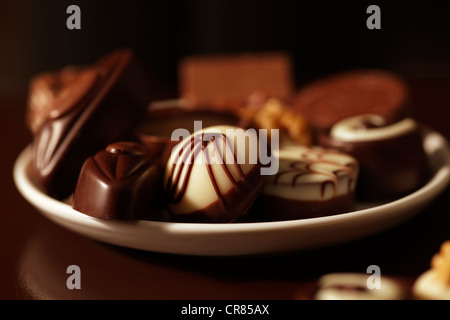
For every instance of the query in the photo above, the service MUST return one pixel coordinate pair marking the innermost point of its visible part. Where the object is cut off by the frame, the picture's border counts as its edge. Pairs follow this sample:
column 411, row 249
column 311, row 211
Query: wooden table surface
column 35, row 252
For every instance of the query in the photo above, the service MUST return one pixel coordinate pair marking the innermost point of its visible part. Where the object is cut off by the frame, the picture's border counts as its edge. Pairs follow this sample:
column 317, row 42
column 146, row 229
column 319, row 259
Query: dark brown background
column 322, row 37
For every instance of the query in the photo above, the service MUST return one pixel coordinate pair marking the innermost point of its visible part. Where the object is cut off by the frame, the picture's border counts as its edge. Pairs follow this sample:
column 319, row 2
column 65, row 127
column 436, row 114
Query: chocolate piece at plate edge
column 392, row 160
column 102, row 104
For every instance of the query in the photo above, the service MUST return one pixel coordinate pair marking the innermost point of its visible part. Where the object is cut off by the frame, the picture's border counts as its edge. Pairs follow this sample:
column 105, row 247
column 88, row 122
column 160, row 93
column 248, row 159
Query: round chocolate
column 339, row 96
column 119, row 183
column 213, row 175
column 311, row 182
column 391, row 156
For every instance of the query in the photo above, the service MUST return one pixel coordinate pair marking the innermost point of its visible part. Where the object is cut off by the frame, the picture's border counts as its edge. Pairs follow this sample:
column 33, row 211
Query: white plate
column 243, row 238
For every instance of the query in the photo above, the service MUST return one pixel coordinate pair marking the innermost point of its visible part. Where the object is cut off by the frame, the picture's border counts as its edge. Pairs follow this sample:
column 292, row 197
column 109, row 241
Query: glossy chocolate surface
column 101, row 104
column 119, row 183
column 330, row 99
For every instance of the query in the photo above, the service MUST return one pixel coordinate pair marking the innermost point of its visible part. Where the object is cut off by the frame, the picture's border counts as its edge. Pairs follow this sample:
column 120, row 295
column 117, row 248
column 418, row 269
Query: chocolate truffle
column 226, row 81
column 356, row 286
column 213, row 175
column 342, row 95
column 99, row 105
column 391, row 156
column 434, row 284
column 119, row 182
column 311, row 182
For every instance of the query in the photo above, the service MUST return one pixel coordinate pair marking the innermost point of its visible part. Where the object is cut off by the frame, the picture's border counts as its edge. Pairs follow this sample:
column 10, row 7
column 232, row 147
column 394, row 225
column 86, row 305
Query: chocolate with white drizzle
column 206, row 182
column 391, row 155
column 310, row 182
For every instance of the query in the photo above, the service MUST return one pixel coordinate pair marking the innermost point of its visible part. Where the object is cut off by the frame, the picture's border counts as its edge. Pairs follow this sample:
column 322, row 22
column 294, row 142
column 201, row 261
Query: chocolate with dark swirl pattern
column 311, row 182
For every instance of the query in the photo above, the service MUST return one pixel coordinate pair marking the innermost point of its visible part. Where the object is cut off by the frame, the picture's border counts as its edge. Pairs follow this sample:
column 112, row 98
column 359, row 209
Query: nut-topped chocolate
column 213, row 175
column 311, row 182
column 390, row 154
column 119, row 182
column 88, row 109
column 265, row 112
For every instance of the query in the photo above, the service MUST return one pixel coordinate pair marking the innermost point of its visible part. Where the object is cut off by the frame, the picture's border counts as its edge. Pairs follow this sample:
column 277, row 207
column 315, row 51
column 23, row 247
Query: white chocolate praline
column 311, row 174
column 434, row 284
column 354, row 286
column 429, row 287
column 200, row 170
column 350, row 129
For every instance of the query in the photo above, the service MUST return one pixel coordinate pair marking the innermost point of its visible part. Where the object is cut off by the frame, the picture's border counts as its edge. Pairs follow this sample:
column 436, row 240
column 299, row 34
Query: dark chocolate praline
column 102, row 105
column 119, row 182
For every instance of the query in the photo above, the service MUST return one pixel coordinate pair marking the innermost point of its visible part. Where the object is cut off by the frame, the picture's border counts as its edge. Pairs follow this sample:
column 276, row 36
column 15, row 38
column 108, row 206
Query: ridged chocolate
column 119, row 183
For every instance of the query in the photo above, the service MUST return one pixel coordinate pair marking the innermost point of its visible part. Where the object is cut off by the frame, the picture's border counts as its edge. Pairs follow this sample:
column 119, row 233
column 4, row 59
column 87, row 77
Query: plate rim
column 62, row 211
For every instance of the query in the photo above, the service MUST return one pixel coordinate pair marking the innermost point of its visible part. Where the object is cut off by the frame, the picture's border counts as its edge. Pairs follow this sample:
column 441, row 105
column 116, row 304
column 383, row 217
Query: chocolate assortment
column 101, row 143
